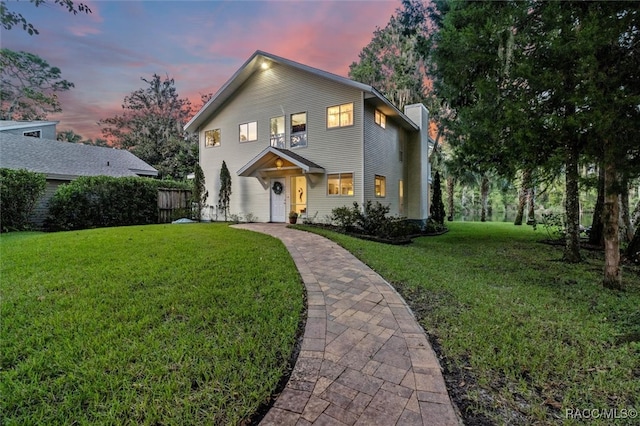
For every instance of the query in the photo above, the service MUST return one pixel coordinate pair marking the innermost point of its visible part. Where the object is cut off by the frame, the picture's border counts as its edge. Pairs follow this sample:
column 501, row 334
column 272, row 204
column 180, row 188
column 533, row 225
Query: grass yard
column 524, row 336
column 164, row 324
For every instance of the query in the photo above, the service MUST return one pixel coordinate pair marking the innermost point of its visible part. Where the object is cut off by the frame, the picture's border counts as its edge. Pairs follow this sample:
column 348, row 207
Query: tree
column 151, row 126
column 29, row 86
column 546, row 82
column 71, row 136
column 437, row 206
column 9, row 18
column 391, row 61
column 224, row 194
column 200, row 193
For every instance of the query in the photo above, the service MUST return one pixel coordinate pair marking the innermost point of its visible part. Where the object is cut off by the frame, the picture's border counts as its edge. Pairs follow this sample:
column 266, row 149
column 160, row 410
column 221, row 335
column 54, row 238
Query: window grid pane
column 248, row 131
column 346, row 115
column 298, row 130
column 380, row 186
column 212, row 138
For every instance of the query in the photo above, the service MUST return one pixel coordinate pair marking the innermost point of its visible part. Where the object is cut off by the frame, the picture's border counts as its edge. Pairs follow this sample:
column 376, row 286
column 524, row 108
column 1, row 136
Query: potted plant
column 293, row 217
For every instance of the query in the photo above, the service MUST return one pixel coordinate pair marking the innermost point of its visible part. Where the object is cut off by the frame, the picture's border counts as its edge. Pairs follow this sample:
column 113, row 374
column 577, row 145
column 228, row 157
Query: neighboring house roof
column 255, row 62
column 12, row 124
column 67, row 161
column 270, row 153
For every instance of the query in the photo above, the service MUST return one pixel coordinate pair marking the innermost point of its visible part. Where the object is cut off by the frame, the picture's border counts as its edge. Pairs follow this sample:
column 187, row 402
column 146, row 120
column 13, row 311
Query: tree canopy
column 151, row 126
column 9, row 19
column 29, row 86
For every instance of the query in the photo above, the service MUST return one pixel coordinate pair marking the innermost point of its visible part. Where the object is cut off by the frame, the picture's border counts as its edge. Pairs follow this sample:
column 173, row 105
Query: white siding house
column 296, row 138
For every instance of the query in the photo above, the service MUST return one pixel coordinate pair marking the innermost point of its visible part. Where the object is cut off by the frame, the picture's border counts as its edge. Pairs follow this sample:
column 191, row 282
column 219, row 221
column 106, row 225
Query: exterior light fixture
column 279, row 163
column 264, row 65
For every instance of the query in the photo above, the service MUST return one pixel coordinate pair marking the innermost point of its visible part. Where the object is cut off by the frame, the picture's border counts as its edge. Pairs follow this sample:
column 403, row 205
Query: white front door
column 278, row 201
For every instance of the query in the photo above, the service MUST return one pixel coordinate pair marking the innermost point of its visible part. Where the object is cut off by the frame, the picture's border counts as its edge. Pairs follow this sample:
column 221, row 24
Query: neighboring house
column 296, row 138
column 63, row 162
column 34, row 129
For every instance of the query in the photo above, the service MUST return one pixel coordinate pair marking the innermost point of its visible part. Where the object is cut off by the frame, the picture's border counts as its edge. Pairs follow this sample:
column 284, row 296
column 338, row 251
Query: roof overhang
column 264, row 164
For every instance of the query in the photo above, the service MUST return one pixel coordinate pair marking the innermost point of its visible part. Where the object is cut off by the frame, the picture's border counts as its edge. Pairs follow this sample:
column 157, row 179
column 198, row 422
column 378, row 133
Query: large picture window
column 249, row 132
column 381, row 186
column 340, row 184
column 212, row 138
column 340, row 115
column 298, row 130
column 277, row 132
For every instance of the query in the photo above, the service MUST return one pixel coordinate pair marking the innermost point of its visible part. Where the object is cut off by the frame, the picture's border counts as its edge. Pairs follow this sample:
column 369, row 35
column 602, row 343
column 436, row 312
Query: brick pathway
column 364, row 358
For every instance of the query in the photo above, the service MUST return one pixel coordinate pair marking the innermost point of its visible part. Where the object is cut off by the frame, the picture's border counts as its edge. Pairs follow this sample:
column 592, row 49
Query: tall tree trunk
column 531, row 217
column 451, row 182
column 612, row 277
column 572, row 207
column 595, row 236
column 522, row 196
column 484, row 197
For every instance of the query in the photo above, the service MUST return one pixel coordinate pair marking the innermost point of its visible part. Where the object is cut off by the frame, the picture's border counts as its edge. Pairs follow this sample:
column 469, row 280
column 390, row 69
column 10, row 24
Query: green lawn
column 166, row 324
column 526, row 337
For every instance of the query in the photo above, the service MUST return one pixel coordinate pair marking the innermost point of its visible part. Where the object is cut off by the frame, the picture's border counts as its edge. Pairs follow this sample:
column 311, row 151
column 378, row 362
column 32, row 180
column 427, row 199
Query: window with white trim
column 381, row 186
column 276, row 129
column 298, row 130
column 248, row 131
column 340, row 115
column 380, row 119
column 211, row 138
column 340, row 184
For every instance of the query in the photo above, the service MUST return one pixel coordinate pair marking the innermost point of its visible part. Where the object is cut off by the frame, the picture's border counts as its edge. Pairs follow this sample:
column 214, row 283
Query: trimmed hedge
column 19, row 193
column 102, row 201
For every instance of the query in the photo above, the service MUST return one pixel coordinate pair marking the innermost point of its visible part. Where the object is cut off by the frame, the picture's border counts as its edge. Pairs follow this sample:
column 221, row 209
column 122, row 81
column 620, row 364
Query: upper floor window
column 277, row 132
column 340, row 115
column 340, row 184
column 381, row 186
column 298, row 130
column 212, row 138
column 32, row 133
column 249, row 132
column 380, row 119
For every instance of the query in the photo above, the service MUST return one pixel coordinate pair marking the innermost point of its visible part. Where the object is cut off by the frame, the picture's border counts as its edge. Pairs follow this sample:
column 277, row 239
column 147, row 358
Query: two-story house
column 296, row 138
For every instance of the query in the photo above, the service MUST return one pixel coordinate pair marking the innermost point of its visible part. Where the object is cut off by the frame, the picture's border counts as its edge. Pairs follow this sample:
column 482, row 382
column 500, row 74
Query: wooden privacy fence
column 172, row 201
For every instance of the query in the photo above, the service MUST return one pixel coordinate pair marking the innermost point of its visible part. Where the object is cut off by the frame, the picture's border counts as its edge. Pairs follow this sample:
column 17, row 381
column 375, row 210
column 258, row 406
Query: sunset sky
column 198, row 43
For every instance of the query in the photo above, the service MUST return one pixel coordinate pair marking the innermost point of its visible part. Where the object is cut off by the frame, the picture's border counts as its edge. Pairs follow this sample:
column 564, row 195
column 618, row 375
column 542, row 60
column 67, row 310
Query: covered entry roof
column 266, row 162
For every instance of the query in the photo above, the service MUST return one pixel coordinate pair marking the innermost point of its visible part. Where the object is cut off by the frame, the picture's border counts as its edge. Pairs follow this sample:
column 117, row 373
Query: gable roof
column 255, row 62
column 270, row 153
column 67, row 161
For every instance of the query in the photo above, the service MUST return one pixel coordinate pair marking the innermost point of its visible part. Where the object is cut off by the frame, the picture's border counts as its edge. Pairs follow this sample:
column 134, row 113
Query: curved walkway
column 364, row 358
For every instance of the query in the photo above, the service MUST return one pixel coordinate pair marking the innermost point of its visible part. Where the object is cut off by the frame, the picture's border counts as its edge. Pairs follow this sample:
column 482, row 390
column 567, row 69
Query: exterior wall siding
column 41, row 209
column 277, row 91
column 382, row 157
column 47, row 131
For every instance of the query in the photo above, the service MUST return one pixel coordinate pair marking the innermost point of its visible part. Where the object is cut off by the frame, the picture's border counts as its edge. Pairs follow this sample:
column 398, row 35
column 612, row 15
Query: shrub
column 19, row 193
column 437, row 205
column 102, row 201
column 344, row 217
column 373, row 219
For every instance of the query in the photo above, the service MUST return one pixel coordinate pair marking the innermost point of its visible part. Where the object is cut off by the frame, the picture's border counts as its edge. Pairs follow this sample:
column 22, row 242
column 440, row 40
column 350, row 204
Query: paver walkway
column 364, row 358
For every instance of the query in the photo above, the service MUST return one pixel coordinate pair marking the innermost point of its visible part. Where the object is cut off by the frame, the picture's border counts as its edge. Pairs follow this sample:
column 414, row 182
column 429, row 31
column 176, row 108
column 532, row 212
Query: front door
column 278, row 200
